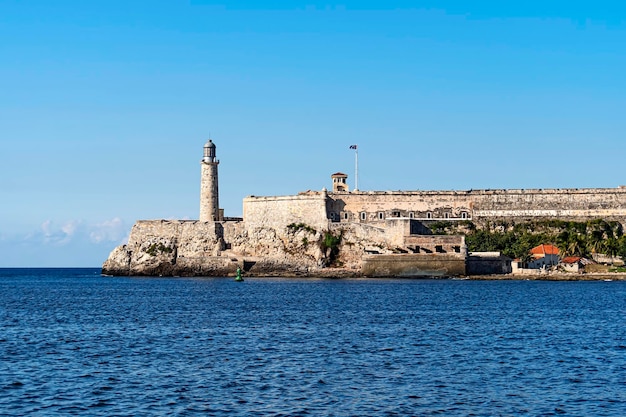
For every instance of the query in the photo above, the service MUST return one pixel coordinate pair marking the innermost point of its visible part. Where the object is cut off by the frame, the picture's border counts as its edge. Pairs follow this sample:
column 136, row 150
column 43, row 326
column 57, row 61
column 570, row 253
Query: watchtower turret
column 209, row 192
column 339, row 182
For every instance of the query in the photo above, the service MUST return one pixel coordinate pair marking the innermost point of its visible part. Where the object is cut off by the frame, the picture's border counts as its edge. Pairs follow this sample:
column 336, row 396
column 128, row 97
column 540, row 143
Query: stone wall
column 278, row 212
column 576, row 204
column 488, row 263
column 376, row 206
column 194, row 248
column 286, row 235
column 164, row 247
column 436, row 244
column 413, row 265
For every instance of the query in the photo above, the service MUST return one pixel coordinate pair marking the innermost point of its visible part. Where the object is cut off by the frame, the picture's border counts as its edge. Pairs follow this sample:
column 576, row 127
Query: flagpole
column 356, row 168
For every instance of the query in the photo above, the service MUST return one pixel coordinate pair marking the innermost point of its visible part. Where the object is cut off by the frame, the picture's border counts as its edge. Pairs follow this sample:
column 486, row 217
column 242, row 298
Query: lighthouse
column 209, row 194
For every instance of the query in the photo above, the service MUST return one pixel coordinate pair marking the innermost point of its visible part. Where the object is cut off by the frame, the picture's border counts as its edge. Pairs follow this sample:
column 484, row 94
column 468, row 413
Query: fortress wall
column 173, row 229
column 149, row 229
column 233, row 230
column 278, row 212
column 188, row 238
column 396, row 230
column 563, row 204
column 607, row 203
column 447, row 242
column 409, row 265
column 200, row 238
column 573, row 200
column 417, row 201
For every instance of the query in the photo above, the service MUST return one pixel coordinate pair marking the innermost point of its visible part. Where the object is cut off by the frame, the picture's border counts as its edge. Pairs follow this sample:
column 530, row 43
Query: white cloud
column 114, row 230
column 68, row 243
column 70, row 227
column 51, row 234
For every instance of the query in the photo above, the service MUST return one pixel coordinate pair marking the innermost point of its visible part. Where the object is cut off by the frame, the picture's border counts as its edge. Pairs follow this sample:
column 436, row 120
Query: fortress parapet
column 479, row 205
column 378, row 233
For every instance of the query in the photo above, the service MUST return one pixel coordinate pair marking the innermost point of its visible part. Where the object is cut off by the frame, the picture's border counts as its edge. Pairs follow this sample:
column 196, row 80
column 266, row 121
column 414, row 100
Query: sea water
column 73, row 342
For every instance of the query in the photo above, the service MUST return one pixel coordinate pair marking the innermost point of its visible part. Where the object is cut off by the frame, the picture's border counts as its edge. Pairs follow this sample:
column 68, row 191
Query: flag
column 352, row 146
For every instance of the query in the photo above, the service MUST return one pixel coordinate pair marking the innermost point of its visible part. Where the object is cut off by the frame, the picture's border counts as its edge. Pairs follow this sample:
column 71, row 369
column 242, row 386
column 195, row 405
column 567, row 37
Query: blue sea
column 73, row 342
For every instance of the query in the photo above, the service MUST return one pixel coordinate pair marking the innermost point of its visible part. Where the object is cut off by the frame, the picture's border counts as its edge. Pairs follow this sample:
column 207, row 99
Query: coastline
column 341, row 273
column 608, row 276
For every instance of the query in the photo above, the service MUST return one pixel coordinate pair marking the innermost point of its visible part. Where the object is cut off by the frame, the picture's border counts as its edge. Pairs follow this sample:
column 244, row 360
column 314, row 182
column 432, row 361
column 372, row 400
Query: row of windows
column 381, row 215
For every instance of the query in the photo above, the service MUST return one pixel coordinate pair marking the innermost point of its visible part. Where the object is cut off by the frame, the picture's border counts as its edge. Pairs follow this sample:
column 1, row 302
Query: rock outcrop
column 193, row 248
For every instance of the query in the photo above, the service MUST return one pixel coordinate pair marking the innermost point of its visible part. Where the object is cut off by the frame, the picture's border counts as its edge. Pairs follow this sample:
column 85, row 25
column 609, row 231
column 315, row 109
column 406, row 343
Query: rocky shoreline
column 343, row 273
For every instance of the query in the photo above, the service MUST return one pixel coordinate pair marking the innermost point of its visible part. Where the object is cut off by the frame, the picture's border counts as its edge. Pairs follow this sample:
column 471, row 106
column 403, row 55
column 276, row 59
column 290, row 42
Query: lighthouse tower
column 209, row 195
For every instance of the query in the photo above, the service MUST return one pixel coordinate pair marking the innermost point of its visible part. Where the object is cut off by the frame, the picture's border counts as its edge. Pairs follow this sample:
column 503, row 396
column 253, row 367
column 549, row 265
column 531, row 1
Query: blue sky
column 105, row 106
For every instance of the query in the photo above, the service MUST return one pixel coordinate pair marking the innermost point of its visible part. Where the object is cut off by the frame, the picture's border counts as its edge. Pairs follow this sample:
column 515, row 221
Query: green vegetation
column 158, row 247
column 516, row 240
column 294, row 227
column 330, row 245
column 446, row 227
column 442, row 228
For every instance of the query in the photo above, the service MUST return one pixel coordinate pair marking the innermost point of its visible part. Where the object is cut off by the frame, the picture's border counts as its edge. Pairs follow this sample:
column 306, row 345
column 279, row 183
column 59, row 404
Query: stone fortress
column 342, row 232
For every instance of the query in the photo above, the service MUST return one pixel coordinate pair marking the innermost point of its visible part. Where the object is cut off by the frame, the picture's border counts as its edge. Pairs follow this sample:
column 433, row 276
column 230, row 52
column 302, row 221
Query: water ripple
column 75, row 343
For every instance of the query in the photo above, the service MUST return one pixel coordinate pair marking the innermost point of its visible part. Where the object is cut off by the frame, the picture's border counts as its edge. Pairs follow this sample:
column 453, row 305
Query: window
column 446, row 215
column 332, row 216
column 363, row 215
column 381, row 215
column 346, row 216
column 464, row 215
column 429, row 215
column 411, row 215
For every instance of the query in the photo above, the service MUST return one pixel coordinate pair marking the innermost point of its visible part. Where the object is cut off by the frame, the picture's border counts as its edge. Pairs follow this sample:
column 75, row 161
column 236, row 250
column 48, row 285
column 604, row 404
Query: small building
column 488, row 263
column 571, row 264
column 340, row 183
column 574, row 263
column 602, row 258
column 544, row 256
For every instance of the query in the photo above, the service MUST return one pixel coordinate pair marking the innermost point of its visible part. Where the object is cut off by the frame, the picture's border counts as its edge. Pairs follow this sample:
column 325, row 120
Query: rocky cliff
column 194, row 248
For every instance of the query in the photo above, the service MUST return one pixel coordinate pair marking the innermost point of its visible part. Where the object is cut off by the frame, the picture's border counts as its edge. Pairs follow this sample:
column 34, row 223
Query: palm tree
column 563, row 242
column 576, row 246
column 610, row 247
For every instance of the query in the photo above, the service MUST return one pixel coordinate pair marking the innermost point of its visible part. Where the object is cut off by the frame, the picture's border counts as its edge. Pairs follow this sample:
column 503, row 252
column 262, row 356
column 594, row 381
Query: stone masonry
column 347, row 233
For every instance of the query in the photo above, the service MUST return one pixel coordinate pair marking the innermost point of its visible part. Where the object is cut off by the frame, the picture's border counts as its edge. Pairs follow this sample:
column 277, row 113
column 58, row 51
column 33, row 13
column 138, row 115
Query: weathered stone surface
column 479, row 205
column 190, row 248
column 413, row 265
column 290, row 235
column 118, row 262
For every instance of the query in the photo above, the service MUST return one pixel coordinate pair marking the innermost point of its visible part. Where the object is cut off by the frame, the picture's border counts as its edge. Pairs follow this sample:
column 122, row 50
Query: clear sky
column 105, row 105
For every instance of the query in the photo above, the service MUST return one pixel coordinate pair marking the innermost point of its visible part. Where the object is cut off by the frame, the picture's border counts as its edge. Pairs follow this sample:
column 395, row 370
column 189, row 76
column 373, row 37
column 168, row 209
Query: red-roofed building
column 544, row 256
column 543, row 250
column 570, row 259
column 574, row 263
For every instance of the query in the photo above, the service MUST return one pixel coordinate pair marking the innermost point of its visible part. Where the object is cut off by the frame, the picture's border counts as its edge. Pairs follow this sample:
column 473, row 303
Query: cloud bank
column 70, row 243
